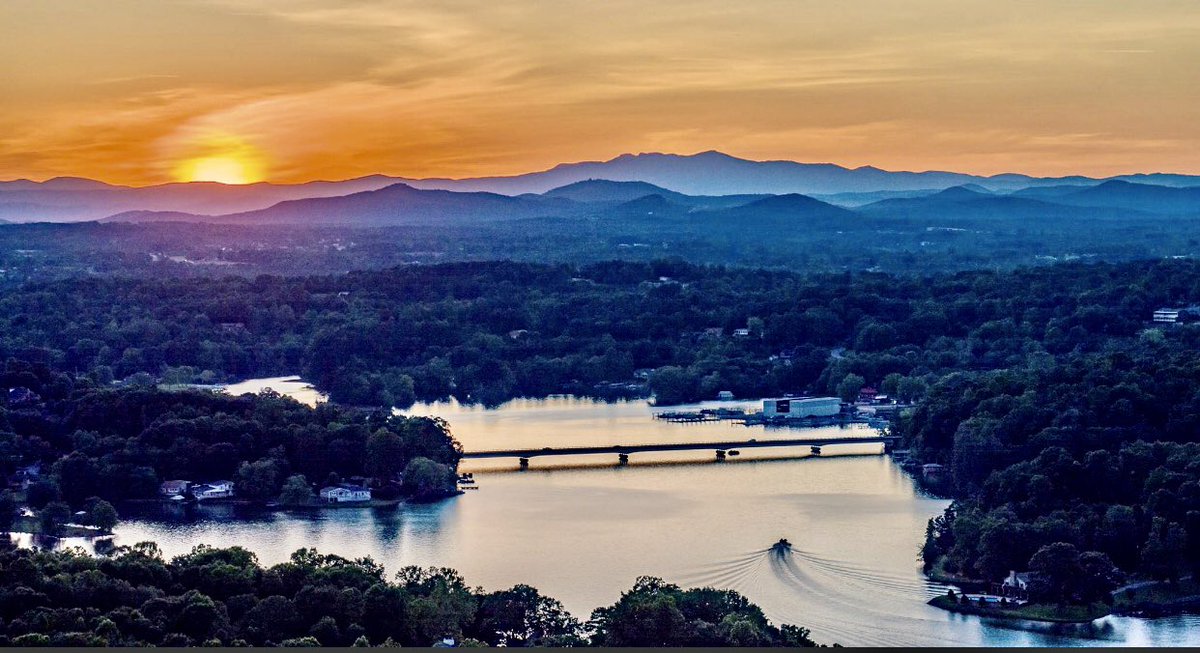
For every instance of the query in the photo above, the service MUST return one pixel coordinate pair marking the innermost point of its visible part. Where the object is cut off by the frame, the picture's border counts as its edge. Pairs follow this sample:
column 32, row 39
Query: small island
column 82, row 449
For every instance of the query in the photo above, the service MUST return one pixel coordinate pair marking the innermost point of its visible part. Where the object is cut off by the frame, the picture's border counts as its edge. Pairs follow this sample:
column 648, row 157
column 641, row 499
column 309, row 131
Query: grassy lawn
column 1157, row 594
column 1032, row 611
column 30, row 525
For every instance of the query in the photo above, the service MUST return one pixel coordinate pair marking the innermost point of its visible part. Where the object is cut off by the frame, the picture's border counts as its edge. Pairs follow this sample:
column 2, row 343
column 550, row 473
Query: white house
column 1016, row 585
column 172, row 488
column 213, row 490
column 802, row 407
column 345, row 493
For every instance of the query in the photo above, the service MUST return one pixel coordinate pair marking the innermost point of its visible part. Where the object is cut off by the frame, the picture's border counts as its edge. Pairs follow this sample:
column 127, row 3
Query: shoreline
column 1071, row 614
column 1144, row 599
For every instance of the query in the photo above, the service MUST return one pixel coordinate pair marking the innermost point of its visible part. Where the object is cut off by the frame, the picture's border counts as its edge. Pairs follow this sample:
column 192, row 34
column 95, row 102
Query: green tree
column 521, row 616
column 258, row 480
column 1058, row 571
column 849, row 387
column 52, row 517
column 672, row 385
column 103, row 515
column 296, row 491
column 8, row 510
column 427, row 479
column 1164, row 556
column 1098, row 577
column 385, row 454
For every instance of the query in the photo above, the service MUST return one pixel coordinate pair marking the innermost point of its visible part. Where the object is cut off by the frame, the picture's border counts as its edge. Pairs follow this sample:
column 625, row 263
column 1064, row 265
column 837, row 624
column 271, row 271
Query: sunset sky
column 293, row 90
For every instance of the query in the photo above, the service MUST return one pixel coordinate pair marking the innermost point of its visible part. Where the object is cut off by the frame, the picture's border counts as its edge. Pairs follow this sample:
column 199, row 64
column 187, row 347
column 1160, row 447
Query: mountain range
column 706, row 186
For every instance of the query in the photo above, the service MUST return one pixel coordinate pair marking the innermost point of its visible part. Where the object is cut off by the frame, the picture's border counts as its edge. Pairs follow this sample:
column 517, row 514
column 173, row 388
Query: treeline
column 1096, row 450
column 118, row 444
column 214, row 597
column 487, row 332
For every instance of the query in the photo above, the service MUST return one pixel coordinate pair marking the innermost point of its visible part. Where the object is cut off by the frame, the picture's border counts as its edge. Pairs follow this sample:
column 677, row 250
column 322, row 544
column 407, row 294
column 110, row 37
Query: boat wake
column 838, row 587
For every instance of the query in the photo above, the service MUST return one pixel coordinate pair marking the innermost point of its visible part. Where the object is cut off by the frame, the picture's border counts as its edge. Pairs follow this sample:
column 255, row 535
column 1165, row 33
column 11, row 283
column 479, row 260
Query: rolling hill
column 397, row 204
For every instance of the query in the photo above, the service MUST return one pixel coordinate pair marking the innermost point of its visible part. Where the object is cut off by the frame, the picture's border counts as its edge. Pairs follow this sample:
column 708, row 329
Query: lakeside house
column 213, row 490
column 932, row 471
column 1016, row 585
column 345, row 493
column 173, row 488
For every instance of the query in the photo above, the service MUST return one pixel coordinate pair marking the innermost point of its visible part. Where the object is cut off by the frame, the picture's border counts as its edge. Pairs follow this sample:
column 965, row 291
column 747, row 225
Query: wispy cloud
column 462, row 87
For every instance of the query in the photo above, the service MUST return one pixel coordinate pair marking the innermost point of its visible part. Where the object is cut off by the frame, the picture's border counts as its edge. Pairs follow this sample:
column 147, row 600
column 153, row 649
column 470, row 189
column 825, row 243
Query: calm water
column 290, row 386
column 583, row 530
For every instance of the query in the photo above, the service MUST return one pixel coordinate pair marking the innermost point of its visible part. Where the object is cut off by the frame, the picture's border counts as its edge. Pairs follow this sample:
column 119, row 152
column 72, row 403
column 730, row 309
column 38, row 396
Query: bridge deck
column 670, row 446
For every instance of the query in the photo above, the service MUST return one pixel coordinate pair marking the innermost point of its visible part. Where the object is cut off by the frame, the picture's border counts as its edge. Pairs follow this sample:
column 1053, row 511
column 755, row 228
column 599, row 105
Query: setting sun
column 226, row 170
column 223, row 159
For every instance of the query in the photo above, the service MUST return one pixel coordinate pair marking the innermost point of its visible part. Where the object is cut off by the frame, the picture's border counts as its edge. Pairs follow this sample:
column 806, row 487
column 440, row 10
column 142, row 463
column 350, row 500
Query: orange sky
column 150, row 91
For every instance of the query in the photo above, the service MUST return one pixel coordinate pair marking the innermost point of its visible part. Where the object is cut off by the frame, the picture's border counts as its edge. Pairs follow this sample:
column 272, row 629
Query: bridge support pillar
column 622, row 459
column 523, row 462
column 720, row 454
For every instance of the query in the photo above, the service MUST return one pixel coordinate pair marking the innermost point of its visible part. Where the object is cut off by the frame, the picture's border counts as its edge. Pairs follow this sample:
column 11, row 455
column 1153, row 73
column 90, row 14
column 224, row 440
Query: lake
column 582, row 529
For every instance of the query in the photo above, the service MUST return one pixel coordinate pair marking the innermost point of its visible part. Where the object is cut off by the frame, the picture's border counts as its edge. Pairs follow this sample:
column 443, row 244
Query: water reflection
column 584, row 530
column 289, row 386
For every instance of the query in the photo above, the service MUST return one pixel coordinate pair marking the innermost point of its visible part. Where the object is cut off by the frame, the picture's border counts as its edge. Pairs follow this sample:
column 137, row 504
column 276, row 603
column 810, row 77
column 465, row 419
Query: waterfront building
column 345, row 493
column 797, row 407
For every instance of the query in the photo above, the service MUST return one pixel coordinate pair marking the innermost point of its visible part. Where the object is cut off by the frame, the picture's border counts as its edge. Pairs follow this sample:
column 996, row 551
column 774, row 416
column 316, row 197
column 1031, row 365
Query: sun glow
column 222, row 159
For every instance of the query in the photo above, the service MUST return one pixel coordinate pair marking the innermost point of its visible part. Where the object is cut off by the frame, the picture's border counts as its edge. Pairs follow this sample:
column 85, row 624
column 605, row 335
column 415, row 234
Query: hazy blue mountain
column 716, row 173
column 1161, row 179
column 650, row 207
column 851, row 200
column 790, row 210
column 1142, row 197
column 70, row 199
column 964, row 203
column 1049, row 192
column 708, row 180
column 709, row 173
column 397, row 204
column 157, row 216
column 605, row 190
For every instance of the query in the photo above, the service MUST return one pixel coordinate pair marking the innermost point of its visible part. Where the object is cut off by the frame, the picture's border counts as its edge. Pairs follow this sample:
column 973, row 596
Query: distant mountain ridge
column 395, row 204
column 704, row 181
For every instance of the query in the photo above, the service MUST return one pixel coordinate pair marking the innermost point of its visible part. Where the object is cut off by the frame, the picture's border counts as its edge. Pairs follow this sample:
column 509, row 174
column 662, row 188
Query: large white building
column 345, row 493
column 1167, row 315
column 802, row 407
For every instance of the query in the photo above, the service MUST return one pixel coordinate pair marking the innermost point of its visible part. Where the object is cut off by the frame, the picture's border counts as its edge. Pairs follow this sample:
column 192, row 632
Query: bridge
column 722, row 449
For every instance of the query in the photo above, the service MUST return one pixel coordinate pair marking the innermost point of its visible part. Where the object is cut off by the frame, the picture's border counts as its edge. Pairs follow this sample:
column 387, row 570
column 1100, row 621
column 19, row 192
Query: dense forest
column 214, row 597
column 119, row 444
column 487, row 332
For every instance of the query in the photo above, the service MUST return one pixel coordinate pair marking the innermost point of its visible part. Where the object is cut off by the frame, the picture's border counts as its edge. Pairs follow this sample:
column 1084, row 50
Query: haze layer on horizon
column 294, row 90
